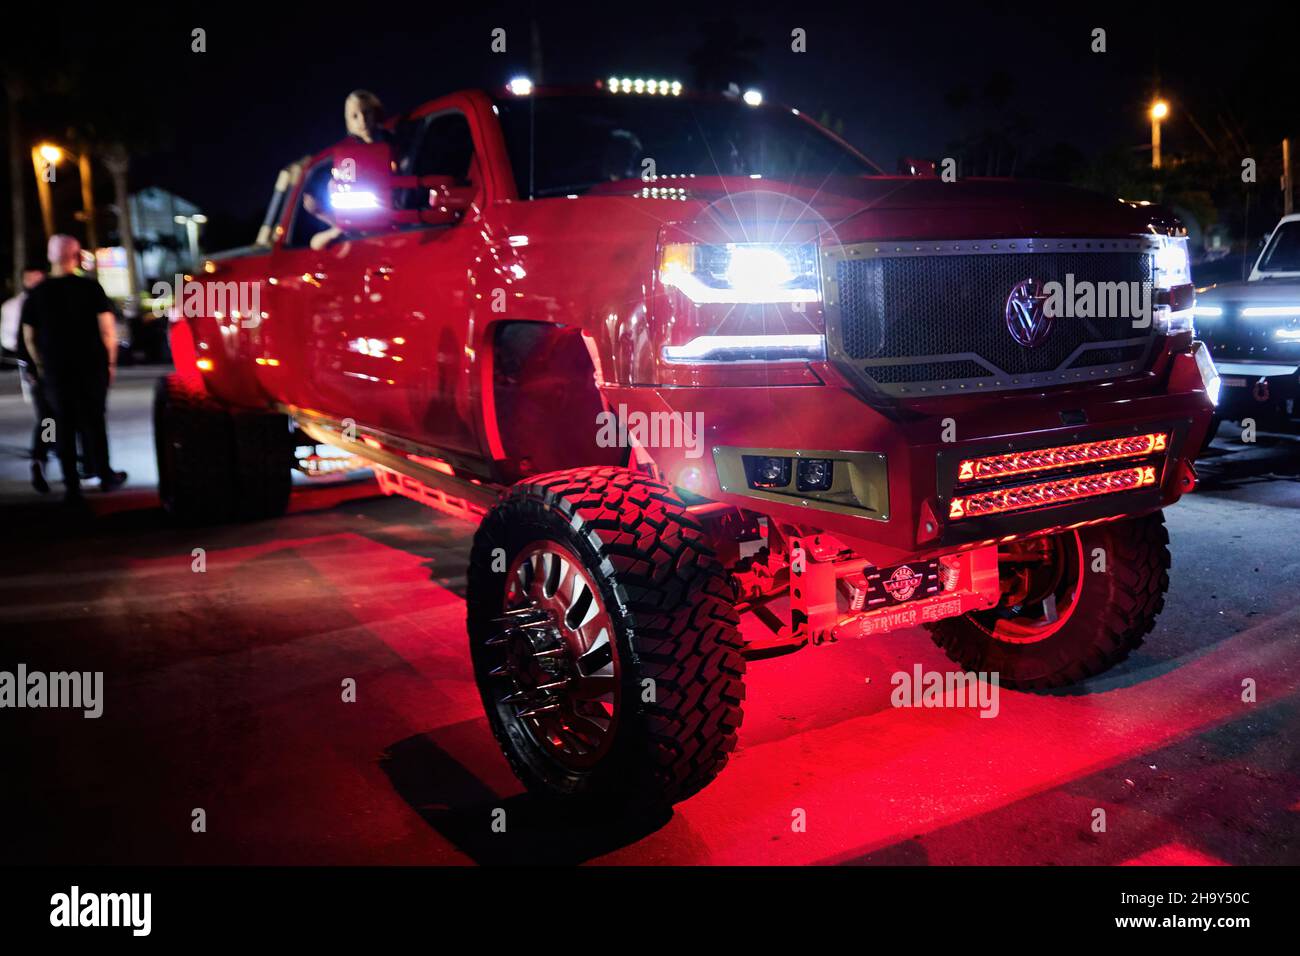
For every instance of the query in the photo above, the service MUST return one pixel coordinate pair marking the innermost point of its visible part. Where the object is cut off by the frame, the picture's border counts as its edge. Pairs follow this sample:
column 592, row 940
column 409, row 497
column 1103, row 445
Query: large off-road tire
column 610, row 594
column 263, row 464
column 1101, row 616
column 215, row 465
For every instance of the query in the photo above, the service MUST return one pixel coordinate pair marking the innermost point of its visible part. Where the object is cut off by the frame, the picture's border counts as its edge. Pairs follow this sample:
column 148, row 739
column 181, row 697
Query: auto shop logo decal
column 1027, row 320
column 902, row 584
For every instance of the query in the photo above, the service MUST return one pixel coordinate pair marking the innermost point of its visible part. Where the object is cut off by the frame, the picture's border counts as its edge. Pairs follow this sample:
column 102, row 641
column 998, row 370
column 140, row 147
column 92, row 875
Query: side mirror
column 367, row 196
column 360, row 192
column 447, row 198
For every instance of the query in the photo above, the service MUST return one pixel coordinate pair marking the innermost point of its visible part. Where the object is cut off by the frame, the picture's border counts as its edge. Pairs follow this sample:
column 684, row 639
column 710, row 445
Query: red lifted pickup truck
column 713, row 387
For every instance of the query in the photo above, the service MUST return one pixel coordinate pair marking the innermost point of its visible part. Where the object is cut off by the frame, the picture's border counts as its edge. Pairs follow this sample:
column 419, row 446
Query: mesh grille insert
column 941, row 307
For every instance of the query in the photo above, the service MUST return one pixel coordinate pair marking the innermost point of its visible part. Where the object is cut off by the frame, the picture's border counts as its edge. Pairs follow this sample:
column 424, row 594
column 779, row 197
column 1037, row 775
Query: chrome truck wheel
column 559, row 670
column 604, row 639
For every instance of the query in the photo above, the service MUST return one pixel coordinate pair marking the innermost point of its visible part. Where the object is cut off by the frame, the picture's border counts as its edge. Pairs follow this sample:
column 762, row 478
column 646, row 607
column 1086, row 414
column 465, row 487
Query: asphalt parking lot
column 222, row 692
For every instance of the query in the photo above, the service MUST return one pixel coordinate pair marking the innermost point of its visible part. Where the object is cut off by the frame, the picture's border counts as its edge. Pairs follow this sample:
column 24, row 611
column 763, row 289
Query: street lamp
column 46, row 156
column 1159, row 110
column 191, row 224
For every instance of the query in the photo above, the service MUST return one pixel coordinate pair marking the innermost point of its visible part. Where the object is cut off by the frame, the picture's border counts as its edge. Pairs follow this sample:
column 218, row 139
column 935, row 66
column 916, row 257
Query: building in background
column 166, row 231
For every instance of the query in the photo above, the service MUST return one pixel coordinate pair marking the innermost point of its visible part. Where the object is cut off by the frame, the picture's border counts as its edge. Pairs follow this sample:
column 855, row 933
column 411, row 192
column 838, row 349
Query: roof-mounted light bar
column 627, row 84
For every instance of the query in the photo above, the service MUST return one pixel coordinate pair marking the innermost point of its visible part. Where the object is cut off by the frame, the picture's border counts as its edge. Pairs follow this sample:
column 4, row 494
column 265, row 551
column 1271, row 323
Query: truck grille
column 913, row 320
column 1233, row 336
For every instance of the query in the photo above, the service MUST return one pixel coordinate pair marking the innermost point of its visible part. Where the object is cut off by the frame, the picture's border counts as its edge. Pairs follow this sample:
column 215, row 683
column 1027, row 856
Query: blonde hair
column 369, row 102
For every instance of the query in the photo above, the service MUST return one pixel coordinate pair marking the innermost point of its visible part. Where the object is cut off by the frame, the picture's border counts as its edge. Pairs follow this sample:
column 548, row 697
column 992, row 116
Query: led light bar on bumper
column 1044, row 459
column 1072, row 479
column 1043, row 493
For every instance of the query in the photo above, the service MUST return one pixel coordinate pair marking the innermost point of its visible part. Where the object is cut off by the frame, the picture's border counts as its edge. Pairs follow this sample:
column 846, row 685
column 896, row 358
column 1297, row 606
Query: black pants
column 79, row 403
column 44, row 413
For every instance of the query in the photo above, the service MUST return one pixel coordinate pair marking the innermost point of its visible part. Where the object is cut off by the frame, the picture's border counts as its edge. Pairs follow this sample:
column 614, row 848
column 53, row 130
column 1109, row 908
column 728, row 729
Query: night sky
column 218, row 125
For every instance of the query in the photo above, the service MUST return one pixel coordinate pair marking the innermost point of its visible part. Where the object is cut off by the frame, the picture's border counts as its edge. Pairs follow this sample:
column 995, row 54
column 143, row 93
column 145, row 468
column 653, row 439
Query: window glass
column 315, row 194
column 568, row 144
column 1283, row 252
column 440, row 146
column 443, row 148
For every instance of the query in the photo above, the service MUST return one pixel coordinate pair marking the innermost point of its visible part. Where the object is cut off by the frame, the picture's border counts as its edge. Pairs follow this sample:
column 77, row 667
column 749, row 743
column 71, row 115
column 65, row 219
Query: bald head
column 64, row 253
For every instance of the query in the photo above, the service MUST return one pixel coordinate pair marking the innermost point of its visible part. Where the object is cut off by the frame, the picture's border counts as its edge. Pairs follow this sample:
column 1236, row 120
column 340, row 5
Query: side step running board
column 327, row 432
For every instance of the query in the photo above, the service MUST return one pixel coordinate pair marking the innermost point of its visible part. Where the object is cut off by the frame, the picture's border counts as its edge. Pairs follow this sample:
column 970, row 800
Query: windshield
column 560, row 145
column 1283, row 252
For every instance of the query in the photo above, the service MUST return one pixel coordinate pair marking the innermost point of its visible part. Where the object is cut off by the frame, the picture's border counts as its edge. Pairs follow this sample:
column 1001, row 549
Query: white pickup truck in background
column 1253, row 331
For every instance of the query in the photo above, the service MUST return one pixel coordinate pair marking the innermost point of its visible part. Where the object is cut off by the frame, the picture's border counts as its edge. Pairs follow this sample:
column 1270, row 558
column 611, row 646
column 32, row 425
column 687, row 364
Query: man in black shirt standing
column 70, row 331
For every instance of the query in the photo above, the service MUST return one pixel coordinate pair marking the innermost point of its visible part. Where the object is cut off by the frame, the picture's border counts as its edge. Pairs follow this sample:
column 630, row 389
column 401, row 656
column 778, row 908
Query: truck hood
column 1280, row 291
column 905, row 207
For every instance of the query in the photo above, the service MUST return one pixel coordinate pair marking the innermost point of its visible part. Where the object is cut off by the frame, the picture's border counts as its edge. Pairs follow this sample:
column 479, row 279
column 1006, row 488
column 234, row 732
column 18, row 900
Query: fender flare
column 180, row 338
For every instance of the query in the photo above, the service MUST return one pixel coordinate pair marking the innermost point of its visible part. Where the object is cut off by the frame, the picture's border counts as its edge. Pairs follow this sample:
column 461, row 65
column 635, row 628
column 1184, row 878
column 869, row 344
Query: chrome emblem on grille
column 1027, row 320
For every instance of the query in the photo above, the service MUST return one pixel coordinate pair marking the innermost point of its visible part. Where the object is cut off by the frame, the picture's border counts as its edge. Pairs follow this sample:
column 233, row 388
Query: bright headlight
column 1172, row 278
column 1173, row 265
column 742, row 272
column 758, row 268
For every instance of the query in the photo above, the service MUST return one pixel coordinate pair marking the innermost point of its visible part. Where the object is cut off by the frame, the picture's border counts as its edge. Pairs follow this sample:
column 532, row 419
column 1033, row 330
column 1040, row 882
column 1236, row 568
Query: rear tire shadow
column 453, row 800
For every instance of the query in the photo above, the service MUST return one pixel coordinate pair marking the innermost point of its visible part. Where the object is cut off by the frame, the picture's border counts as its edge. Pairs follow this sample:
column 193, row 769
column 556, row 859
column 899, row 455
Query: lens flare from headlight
column 758, row 269
column 750, row 272
column 1173, row 264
